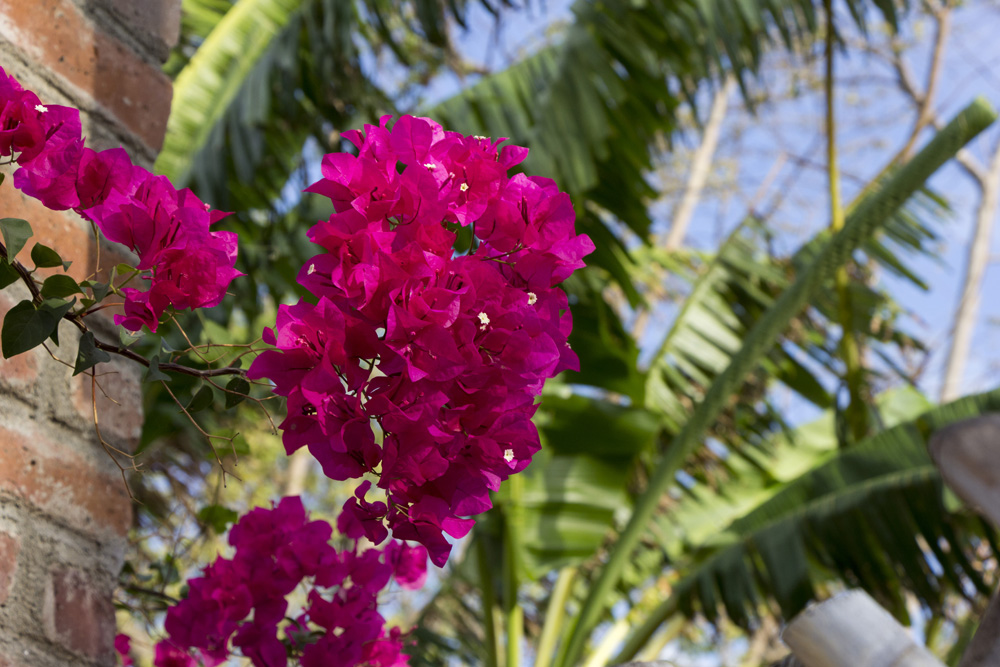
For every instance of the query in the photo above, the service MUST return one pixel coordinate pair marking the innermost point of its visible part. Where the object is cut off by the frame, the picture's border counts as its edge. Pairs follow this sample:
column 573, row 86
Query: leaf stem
column 491, row 620
column 854, row 373
column 512, row 549
column 555, row 615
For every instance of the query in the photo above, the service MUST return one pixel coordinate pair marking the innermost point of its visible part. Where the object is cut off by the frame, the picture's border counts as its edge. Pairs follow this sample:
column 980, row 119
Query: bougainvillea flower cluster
column 242, row 602
column 185, row 264
column 436, row 318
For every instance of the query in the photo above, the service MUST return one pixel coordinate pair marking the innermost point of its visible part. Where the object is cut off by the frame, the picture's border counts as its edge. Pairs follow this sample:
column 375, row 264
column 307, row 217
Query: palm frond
column 871, row 516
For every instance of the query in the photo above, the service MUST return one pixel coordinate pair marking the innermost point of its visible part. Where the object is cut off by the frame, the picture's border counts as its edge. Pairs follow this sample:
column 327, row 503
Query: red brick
column 10, row 546
column 78, row 615
column 59, row 482
column 56, row 35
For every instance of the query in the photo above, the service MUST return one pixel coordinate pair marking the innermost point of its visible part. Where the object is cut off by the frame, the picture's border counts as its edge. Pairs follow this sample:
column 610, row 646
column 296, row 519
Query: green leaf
column 56, row 309
column 153, row 373
column 59, row 286
column 89, row 355
column 25, row 327
column 99, row 290
column 128, row 337
column 8, row 274
column 45, row 257
column 241, row 388
column 203, row 399
column 217, row 517
column 16, row 233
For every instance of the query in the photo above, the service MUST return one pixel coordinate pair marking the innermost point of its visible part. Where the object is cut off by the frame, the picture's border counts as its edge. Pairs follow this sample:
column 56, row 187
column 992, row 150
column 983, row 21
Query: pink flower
column 123, row 646
column 444, row 350
column 240, row 604
column 185, row 264
column 410, row 565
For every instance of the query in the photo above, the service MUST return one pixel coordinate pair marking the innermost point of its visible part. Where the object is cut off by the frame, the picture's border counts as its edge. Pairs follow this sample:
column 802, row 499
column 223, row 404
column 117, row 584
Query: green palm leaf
column 214, row 75
column 872, row 516
column 869, row 216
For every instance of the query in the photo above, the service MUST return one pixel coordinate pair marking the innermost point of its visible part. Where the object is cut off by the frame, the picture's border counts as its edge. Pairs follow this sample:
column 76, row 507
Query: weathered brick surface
column 64, row 510
column 61, row 483
column 10, row 547
column 57, row 36
column 156, row 23
column 79, row 616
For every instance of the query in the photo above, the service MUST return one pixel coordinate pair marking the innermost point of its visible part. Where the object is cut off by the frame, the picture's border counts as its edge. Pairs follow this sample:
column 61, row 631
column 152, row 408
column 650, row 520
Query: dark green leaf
column 8, row 275
column 100, row 290
column 153, row 373
column 236, row 391
column 25, row 327
column 59, row 286
column 56, row 308
column 16, row 233
column 45, row 257
column 203, row 399
column 217, row 516
column 89, row 355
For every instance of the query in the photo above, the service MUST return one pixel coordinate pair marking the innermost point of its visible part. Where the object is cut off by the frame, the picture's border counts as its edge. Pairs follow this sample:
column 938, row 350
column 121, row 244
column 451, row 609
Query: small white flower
column 484, row 319
column 429, row 165
column 508, row 455
column 479, row 136
column 312, row 270
column 463, row 187
column 532, row 298
column 41, row 109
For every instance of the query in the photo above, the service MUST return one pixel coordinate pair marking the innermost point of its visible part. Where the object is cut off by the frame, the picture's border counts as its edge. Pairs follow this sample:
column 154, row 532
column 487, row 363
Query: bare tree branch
column 700, row 166
column 978, row 258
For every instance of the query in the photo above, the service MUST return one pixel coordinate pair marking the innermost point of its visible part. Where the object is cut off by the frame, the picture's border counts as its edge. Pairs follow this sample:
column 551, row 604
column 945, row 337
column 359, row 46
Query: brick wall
column 64, row 511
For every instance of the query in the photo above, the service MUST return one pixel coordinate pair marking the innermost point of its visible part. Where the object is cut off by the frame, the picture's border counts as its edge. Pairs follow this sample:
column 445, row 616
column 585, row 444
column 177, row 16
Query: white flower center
column 484, row 319
column 41, row 109
column 429, row 165
column 508, row 455
column 463, row 187
column 312, row 270
column 532, row 298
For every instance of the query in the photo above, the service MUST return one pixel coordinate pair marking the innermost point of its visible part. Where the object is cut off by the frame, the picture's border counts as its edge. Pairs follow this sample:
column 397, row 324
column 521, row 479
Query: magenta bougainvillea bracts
column 241, row 602
column 184, row 263
column 444, row 350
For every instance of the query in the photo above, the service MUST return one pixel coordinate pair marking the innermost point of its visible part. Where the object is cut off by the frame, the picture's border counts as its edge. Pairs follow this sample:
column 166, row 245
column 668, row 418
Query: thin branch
column 978, row 259
column 110, row 449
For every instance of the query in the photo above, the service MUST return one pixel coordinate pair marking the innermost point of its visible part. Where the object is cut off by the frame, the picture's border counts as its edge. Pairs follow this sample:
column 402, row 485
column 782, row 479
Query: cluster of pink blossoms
column 241, row 602
column 445, row 350
column 187, row 264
